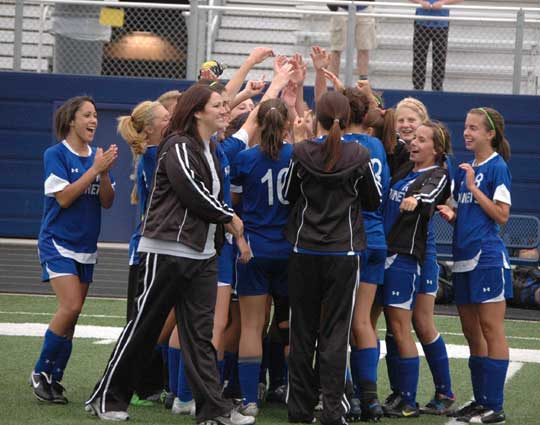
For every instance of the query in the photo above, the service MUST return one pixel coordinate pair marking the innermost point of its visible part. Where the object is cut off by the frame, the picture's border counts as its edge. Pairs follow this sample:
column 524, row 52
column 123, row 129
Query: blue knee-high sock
column 52, row 345
column 494, row 377
column 173, row 360
column 221, row 369
column 184, row 392
column 62, row 359
column 476, row 366
column 365, row 365
column 409, row 370
column 437, row 359
column 248, row 373
column 392, row 362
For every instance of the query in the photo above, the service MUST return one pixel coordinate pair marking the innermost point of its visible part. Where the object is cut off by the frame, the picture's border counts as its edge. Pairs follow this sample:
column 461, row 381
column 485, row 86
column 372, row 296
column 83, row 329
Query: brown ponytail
column 493, row 120
column 383, row 123
column 272, row 119
column 333, row 112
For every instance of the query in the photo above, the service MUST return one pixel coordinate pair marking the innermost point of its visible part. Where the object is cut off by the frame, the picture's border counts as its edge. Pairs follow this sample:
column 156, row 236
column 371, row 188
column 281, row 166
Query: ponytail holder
column 486, row 113
column 273, row 108
column 336, row 120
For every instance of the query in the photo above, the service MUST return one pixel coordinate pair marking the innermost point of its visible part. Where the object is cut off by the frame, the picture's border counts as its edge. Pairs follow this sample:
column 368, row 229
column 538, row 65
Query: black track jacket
column 181, row 204
column 409, row 233
column 326, row 207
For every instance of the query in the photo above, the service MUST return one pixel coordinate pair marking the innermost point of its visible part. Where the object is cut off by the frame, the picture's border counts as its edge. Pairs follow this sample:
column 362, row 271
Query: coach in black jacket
column 328, row 184
column 182, row 231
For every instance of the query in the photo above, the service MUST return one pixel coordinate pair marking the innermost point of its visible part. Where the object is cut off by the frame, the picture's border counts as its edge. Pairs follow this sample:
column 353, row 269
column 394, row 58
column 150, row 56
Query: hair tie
column 488, row 116
column 336, row 120
column 273, row 108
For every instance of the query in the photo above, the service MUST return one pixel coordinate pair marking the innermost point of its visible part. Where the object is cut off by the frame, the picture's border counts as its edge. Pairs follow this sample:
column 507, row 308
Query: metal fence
column 475, row 49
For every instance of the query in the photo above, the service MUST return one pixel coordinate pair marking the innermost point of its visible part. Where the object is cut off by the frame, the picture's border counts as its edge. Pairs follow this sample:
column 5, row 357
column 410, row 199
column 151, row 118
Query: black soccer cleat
column 489, row 417
column 371, row 411
column 57, row 391
column 355, row 412
column 391, row 401
column 403, row 410
column 41, row 386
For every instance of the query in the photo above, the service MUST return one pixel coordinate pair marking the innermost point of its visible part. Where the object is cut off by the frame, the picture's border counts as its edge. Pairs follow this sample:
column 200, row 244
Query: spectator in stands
column 366, row 39
column 436, row 33
column 77, row 185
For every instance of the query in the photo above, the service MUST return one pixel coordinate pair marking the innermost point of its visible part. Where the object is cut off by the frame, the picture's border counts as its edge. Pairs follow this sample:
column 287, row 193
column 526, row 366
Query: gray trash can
column 78, row 39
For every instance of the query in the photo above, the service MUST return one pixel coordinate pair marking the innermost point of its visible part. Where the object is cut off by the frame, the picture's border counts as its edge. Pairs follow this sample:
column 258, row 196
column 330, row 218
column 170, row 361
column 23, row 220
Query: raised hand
column 320, row 58
column 300, row 69
column 255, row 87
column 336, row 82
column 207, row 74
column 259, row 54
column 289, row 93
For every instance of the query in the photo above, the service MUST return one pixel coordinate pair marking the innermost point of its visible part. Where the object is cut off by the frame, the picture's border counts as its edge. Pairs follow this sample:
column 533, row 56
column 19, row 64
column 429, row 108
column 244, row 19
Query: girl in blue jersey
column 482, row 280
column 415, row 191
column 142, row 130
column 410, row 114
column 330, row 181
column 260, row 171
column 77, row 185
column 364, row 353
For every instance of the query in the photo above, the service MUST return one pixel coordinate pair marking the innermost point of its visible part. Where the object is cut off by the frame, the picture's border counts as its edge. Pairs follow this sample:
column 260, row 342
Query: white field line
column 34, row 313
column 513, row 368
column 107, row 316
column 111, row 334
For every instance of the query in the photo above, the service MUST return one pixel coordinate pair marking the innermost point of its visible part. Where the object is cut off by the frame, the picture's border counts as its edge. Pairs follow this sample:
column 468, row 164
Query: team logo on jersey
column 93, row 189
column 74, row 170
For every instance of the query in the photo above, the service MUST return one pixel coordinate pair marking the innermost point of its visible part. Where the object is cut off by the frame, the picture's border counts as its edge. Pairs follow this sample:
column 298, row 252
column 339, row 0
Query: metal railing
column 486, row 49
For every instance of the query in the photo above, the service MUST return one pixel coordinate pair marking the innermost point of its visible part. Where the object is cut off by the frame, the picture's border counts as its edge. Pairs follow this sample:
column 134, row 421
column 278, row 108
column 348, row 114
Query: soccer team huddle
column 271, row 238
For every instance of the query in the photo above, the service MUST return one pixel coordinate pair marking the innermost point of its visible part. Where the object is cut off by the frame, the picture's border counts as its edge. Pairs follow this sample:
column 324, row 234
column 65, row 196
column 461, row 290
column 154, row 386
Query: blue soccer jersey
column 476, row 242
column 69, row 232
column 145, row 172
column 373, row 221
column 264, row 211
column 235, row 144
